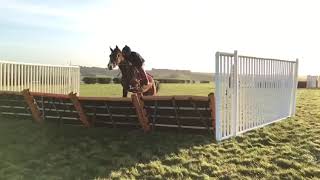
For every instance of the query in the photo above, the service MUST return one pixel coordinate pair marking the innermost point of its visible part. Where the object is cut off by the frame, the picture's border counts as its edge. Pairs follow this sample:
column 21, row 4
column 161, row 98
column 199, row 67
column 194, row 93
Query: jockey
column 136, row 60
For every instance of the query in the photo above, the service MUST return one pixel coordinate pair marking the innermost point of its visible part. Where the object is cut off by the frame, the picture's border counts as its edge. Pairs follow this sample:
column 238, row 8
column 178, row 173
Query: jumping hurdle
column 191, row 113
column 39, row 78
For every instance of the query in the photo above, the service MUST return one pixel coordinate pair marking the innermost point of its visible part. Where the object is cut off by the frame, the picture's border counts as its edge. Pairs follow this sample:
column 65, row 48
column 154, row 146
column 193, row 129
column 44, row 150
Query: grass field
column 165, row 89
column 289, row 149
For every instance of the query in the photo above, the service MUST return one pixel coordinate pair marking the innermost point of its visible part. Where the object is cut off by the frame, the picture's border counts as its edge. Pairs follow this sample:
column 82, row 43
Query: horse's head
column 116, row 58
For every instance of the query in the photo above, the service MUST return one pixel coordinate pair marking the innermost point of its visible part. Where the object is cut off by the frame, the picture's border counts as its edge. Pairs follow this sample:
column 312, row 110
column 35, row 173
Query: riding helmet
column 126, row 50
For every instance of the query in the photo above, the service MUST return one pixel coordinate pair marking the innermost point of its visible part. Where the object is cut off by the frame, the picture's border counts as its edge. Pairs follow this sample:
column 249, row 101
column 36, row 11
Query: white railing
column 39, row 78
column 312, row 82
column 252, row 92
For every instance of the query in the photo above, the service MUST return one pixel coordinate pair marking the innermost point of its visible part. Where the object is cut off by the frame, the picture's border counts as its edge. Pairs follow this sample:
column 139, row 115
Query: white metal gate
column 252, row 92
column 312, row 81
column 39, row 78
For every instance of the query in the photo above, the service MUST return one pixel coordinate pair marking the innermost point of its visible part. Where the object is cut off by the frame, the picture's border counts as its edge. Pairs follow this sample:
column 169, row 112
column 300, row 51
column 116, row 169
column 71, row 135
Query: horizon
column 181, row 35
column 152, row 69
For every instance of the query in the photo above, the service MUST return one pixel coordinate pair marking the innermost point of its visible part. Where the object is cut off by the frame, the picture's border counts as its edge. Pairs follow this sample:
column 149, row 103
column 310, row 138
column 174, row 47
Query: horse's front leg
column 124, row 92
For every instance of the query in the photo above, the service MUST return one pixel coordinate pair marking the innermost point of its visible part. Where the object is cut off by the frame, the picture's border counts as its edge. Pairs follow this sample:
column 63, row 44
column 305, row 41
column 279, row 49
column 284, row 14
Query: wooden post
column 212, row 106
column 141, row 113
column 77, row 105
column 34, row 108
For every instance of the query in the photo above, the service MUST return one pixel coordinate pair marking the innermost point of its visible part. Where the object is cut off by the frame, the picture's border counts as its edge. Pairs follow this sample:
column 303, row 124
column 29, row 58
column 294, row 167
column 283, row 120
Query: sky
column 170, row 34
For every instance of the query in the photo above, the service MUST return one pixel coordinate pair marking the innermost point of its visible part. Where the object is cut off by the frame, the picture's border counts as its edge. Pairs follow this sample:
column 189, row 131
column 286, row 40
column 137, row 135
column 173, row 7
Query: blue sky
column 38, row 31
column 180, row 34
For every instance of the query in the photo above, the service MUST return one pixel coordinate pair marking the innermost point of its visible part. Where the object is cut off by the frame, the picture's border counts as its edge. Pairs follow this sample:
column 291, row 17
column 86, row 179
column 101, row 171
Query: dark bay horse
column 130, row 79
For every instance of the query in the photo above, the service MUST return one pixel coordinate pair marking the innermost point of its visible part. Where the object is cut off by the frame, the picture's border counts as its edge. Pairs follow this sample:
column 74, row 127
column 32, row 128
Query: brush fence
column 252, row 92
column 39, row 78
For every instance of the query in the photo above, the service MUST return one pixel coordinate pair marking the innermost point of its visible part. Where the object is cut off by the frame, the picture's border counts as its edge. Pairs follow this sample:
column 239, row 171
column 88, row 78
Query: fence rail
column 39, row 78
column 252, row 92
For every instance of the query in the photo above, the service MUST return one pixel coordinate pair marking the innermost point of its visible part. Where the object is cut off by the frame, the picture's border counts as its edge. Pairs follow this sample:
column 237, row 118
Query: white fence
column 39, row 78
column 312, row 81
column 252, row 92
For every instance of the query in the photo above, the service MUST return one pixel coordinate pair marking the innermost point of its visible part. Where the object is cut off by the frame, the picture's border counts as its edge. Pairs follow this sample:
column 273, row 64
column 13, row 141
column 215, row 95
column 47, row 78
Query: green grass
column 165, row 89
column 289, row 149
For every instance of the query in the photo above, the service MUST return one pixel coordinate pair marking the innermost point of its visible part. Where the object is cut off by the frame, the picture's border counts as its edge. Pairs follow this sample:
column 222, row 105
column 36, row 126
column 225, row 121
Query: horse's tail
column 157, row 83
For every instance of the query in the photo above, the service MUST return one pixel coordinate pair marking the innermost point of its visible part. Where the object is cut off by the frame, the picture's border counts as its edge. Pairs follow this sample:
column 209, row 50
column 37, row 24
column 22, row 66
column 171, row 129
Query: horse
column 130, row 79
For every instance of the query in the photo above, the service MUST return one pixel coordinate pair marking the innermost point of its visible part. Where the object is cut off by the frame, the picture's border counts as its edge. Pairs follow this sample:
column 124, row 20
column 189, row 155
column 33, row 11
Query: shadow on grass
column 70, row 152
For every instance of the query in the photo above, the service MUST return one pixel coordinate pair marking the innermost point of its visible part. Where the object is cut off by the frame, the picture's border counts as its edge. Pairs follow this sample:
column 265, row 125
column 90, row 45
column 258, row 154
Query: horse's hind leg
column 154, row 88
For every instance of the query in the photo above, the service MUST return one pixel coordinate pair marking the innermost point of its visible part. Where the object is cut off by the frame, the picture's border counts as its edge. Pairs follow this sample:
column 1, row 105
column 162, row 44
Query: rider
column 136, row 60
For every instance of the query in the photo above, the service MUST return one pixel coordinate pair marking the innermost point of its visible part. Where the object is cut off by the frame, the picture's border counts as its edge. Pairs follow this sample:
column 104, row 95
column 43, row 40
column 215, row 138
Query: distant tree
column 90, row 80
column 116, row 80
column 204, row 81
column 105, row 80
